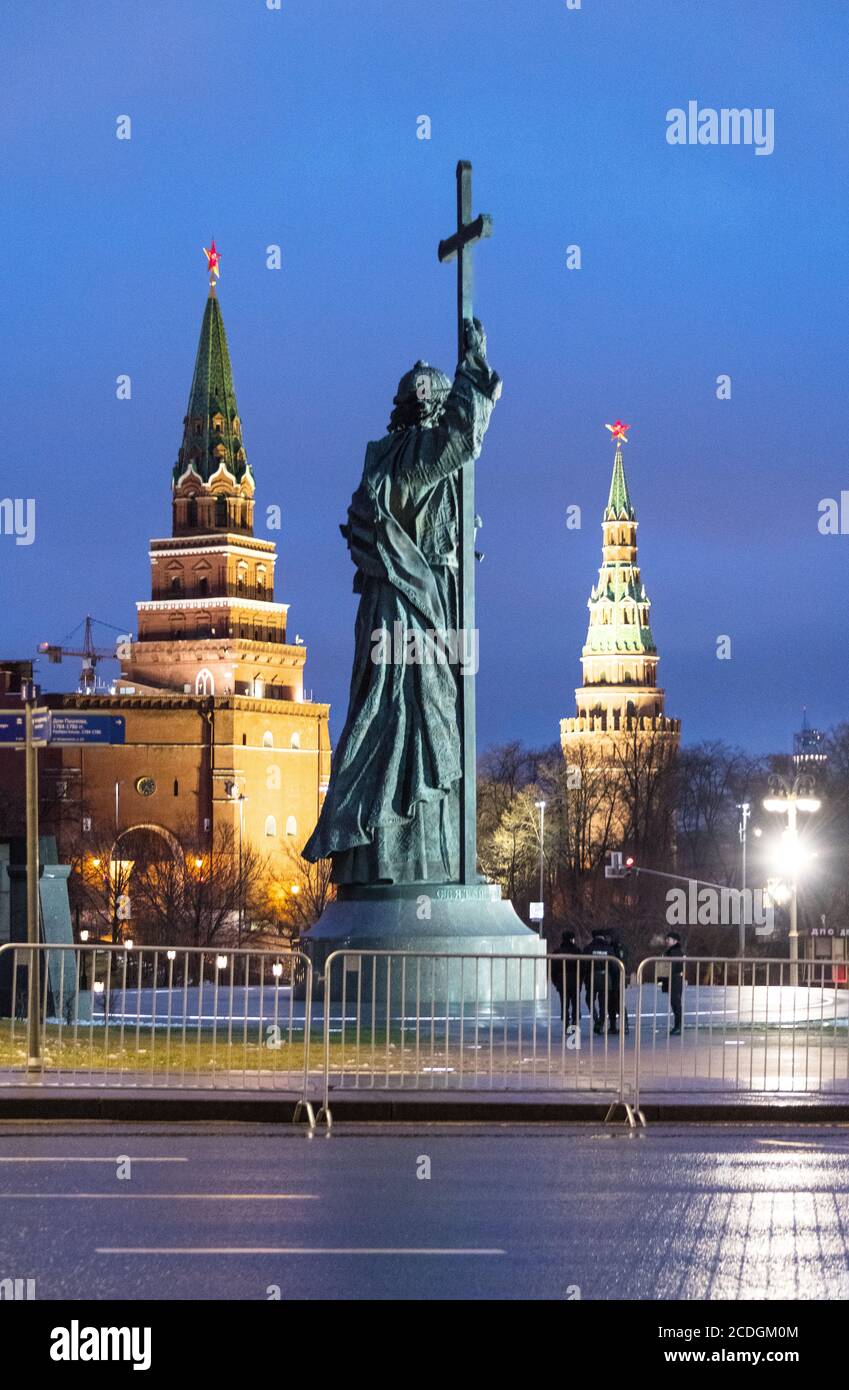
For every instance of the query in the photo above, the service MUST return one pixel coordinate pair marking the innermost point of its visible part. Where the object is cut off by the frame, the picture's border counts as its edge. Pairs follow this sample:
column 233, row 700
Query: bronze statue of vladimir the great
column 392, row 809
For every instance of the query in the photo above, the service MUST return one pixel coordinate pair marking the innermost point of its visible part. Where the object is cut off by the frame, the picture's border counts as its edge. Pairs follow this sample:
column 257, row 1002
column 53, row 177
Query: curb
column 273, row 1109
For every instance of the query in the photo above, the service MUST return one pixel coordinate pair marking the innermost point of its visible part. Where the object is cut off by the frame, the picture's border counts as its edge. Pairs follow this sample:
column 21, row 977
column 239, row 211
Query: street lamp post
column 540, row 805
column 241, row 871
column 116, row 931
column 236, row 795
column 30, row 695
column 793, row 799
column 745, row 810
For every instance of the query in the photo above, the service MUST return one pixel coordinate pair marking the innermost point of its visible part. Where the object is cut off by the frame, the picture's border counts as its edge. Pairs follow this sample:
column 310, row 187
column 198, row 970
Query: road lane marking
column 159, row 1196
column 112, row 1158
column 285, row 1250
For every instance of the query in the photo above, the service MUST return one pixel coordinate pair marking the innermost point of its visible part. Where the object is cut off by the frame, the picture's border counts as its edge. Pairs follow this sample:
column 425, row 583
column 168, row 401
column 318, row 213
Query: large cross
column 459, row 245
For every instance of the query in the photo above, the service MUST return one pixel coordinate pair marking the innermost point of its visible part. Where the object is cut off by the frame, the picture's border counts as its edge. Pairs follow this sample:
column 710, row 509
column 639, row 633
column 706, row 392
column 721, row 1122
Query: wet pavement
column 550, row 1211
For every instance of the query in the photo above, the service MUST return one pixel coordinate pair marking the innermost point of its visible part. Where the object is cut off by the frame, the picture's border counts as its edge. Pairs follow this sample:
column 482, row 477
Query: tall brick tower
column 212, row 625
column 219, row 729
column 619, row 696
column 219, row 744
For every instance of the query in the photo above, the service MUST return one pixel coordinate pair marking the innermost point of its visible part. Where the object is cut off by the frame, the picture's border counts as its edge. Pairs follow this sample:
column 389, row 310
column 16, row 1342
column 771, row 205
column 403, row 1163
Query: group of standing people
column 597, row 977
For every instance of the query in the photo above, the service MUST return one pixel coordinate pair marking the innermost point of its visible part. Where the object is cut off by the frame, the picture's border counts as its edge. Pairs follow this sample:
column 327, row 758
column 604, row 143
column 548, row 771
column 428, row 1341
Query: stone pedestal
column 455, row 922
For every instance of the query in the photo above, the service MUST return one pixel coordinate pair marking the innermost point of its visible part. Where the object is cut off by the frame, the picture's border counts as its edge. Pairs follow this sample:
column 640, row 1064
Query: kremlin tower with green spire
column 212, row 625
column 619, row 697
column 213, row 483
column 220, row 745
column 219, row 728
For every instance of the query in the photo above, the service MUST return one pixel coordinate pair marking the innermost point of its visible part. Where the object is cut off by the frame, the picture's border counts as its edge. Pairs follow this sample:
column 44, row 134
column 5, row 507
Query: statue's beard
column 417, row 413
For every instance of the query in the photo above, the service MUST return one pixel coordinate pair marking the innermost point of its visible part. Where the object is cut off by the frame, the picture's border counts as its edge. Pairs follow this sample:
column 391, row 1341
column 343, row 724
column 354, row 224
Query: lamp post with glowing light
column 114, row 871
column 745, row 812
column 789, row 802
column 83, row 961
column 540, row 805
column 236, row 795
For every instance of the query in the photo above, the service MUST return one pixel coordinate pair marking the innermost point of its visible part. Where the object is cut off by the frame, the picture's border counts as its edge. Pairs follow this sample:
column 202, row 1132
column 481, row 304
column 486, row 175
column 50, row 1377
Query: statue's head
column 420, row 398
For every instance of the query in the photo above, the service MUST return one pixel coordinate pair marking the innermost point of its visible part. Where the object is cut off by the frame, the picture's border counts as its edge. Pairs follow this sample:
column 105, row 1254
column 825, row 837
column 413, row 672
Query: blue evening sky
column 298, row 127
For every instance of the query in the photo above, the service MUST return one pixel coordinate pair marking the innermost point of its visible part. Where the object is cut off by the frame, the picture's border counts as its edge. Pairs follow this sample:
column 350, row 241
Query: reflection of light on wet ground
column 790, row 1143
column 752, row 1225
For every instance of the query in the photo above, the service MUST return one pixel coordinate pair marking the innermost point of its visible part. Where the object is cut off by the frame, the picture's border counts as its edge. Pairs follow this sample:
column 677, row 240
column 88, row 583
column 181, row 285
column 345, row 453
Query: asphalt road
column 238, row 1212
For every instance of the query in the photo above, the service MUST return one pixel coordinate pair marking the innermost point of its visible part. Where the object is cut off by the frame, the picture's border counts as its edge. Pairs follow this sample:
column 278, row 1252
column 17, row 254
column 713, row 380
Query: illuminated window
column 271, row 826
column 291, row 826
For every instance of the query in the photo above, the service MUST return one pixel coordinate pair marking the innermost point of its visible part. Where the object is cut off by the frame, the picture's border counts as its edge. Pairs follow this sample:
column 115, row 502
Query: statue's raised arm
column 457, row 436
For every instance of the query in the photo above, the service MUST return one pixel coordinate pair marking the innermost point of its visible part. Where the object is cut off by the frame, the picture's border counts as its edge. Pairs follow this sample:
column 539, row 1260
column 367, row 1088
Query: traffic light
column 617, row 866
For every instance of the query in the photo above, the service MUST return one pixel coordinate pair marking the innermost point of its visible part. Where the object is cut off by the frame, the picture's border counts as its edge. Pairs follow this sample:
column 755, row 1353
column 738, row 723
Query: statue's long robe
column 391, row 814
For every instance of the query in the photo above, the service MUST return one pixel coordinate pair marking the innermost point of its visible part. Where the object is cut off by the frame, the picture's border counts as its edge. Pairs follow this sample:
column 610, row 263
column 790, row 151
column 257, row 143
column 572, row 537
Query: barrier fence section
column 242, row 1019
column 411, row 1020
column 746, row 1026
column 165, row 1017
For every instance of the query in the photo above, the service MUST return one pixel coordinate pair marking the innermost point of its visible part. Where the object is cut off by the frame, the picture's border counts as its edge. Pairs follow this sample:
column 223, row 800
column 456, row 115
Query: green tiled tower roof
column 618, row 603
column 206, row 448
column 619, row 506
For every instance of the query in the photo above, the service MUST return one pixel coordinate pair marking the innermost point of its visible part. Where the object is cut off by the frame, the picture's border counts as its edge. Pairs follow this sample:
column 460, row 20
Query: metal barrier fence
column 412, row 1020
column 241, row 1019
column 174, row 1018
column 746, row 1026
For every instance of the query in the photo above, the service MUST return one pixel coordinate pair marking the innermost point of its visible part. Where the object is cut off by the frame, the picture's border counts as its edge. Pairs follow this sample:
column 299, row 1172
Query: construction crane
column 90, row 654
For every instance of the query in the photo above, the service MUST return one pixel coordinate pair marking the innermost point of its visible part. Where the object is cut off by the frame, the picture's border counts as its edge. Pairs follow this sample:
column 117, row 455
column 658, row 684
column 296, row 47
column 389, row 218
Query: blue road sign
column 66, row 727
column 60, row 726
column 13, row 726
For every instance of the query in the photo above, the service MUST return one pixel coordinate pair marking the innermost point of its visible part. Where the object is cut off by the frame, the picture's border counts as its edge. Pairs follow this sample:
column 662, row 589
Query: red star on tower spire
column 617, row 432
column 212, row 260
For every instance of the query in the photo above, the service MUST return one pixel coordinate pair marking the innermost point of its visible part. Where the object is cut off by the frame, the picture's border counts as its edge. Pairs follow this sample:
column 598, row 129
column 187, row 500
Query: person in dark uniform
column 618, row 950
column 674, row 984
column 564, row 977
column 597, row 980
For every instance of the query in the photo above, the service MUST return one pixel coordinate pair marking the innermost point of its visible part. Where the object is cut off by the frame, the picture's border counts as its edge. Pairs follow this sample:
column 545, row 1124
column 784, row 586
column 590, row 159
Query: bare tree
column 295, row 897
column 207, row 895
column 508, row 839
column 100, row 878
column 712, row 779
